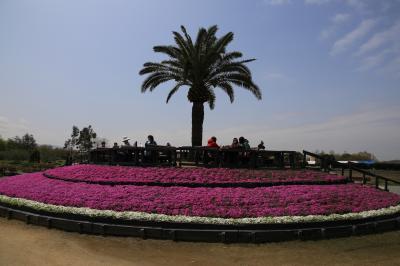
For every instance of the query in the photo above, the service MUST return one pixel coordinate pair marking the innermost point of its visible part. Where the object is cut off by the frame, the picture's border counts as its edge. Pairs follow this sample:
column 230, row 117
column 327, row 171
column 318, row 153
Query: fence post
column 376, row 182
column 291, row 160
column 304, row 159
column 386, row 185
column 364, row 179
column 350, row 171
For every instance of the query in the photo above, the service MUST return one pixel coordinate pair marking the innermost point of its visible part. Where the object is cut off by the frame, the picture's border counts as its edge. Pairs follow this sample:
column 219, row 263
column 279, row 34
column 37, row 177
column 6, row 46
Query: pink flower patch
column 235, row 202
column 137, row 175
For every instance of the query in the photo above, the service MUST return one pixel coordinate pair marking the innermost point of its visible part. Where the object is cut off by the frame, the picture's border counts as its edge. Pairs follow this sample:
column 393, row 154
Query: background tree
column 201, row 66
column 3, row 144
column 86, row 139
column 28, row 142
column 72, row 142
column 346, row 156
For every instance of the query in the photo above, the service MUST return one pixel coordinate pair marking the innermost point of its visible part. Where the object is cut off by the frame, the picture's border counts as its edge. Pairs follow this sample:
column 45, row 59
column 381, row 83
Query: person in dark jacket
column 261, row 146
column 151, row 156
column 235, row 143
column 244, row 156
column 244, row 143
column 150, row 141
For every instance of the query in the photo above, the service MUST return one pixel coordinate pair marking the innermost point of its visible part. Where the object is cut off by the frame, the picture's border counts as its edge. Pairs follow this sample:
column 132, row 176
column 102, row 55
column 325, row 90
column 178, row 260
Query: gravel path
column 22, row 244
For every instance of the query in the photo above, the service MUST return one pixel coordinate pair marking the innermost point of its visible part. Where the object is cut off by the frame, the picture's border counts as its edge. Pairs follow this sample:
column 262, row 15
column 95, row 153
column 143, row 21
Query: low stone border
column 170, row 184
column 358, row 224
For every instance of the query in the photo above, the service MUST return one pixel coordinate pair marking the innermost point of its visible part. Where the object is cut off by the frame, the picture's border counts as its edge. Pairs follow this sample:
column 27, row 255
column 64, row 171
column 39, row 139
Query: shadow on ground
column 22, row 244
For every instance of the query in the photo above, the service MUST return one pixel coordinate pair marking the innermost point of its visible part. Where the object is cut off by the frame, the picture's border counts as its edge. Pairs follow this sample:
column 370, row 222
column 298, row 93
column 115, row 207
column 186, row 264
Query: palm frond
column 211, row 99
column 155, row 79
column 202, row 65
column 227, row 88
column 169, row 50
column 174, row 89
column 221, row 43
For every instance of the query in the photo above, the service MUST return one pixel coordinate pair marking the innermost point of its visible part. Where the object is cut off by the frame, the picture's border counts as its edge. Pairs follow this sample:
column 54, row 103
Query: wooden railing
column 236, row 157
column 131, row 155
column 204, row 156
column 328, row 164
column 352, row 167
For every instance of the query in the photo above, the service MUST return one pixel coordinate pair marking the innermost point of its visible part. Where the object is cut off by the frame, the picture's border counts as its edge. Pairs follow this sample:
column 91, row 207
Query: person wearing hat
column 125, row 141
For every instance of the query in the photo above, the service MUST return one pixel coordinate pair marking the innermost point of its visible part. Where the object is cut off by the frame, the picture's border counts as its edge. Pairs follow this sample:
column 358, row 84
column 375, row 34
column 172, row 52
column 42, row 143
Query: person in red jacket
column 211, row 156
column 212, row 142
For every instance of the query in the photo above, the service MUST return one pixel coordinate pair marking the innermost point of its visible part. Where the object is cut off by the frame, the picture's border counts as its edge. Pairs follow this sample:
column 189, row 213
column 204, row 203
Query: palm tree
column 201, row 66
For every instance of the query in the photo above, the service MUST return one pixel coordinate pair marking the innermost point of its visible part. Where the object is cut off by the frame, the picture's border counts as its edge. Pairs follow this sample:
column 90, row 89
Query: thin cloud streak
column 316, row 2
column 277, row 2
column 337, row 20
column 340, row 18
column 356, row 132
column 381, row 38
column 350, row 38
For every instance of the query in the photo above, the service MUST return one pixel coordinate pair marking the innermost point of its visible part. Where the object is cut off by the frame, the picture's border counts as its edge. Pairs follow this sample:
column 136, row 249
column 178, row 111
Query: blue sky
column 329, row 71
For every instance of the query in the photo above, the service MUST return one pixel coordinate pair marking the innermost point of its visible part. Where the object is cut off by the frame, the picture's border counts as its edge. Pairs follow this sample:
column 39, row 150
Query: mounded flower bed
column 188, row 176
column 277, row 204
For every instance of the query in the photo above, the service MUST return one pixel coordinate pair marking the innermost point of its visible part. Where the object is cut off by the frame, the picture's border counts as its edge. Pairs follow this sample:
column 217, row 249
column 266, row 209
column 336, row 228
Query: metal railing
column 327, row 164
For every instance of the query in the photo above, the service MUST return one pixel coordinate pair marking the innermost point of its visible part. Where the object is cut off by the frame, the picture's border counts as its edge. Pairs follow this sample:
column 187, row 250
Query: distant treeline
column 363, row 156
column 25, row 148
column 345, row 156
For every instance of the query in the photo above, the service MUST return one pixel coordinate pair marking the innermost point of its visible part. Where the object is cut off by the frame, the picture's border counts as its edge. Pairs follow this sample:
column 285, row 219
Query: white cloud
column 326, row 33
column 337, row 20
column 345, row 42
column 381, row 38
column 392, row 67
column 374, row 130
column 277, row 2
column 340, row 18
column 357, row 4
column 316, row 2
column 373, row 60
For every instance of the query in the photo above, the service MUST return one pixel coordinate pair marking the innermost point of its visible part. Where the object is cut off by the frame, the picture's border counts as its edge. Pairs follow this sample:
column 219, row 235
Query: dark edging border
column 193, row 185
column 230, row 234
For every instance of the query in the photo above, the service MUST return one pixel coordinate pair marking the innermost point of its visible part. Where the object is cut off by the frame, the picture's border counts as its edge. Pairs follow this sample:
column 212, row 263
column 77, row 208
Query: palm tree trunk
column 197, row 123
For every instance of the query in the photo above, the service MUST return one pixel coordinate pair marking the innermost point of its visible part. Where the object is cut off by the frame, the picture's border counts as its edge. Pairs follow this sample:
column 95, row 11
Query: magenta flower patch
column 153, row 175
column 237, row 202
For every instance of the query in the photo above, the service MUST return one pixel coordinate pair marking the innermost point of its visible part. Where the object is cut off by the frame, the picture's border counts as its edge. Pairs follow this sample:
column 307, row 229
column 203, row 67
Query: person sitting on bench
column 151, row 156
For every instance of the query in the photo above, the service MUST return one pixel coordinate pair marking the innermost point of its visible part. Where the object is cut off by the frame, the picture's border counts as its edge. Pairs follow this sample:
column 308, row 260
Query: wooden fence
column 327, row 163
column 197, row 156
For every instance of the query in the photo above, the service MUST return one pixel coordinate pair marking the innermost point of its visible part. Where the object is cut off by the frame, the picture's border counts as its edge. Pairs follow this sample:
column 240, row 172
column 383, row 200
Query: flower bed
column 188, row 176
column 209, row 203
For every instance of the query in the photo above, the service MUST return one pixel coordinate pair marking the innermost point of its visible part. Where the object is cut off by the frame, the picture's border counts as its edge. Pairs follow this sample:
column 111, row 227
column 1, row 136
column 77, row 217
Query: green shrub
column 14, row 155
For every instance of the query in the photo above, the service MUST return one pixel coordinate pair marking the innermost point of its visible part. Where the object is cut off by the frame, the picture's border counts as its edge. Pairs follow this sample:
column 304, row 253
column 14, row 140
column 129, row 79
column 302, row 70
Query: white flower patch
column 142, row 216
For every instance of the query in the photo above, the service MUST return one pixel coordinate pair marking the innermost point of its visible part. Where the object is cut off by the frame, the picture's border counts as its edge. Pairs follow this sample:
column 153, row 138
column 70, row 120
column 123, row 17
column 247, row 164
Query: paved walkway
column 22, row 244
column 394, row 189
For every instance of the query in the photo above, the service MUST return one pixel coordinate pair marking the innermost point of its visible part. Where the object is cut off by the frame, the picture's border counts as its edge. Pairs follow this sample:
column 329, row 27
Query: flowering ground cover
column 276, row 201
column 184, row 176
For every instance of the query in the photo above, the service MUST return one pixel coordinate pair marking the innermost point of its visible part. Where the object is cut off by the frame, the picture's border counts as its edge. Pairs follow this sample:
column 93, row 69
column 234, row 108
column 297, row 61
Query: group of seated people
column 125, row 143
column 148, row 155
column 241, row 143
column 235, row 155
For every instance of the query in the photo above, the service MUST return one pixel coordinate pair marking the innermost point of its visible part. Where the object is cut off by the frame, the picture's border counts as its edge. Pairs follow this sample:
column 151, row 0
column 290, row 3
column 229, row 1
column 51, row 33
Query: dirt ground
column 22, row 244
